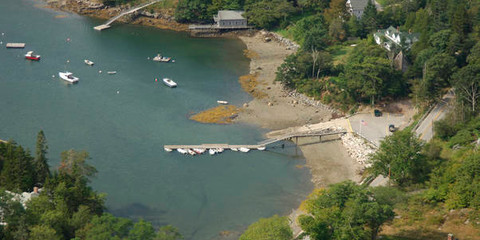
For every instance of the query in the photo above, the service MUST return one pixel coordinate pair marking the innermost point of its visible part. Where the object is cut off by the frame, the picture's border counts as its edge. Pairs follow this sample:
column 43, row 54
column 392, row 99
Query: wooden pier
column 15, row 45
column 132, row 10
column 262, row 144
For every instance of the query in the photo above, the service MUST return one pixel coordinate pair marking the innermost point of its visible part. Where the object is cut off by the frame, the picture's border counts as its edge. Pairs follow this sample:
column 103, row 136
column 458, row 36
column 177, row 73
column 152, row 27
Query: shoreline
column 329, row 161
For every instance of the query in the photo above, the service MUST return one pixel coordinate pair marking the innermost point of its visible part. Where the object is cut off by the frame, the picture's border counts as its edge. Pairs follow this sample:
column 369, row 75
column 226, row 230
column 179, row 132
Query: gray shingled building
column 228, row 19
column 356, row 7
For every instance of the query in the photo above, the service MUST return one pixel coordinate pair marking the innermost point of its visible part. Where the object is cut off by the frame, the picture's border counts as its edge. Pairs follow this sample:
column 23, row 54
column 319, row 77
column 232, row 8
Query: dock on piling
column 15, row 45
column 213, row 146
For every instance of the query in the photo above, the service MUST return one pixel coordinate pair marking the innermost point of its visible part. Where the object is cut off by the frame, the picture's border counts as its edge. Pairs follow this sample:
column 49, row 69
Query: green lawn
column 340, row 53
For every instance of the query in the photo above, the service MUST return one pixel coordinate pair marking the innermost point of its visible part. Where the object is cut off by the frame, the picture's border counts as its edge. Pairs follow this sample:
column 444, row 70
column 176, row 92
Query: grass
column 340, row 53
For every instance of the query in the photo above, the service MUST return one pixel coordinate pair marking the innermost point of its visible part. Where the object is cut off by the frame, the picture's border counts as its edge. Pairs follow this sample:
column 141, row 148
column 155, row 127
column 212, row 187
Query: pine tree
column 369, row 18
column 41, row 166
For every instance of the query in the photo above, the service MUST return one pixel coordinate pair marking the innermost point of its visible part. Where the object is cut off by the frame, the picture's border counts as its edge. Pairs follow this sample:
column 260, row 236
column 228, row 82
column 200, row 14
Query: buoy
column 118, row 92
column 3, row 34
column 155, row 79
column 53, row 76
column 68, row 39
column 99, row 71
column 148, row 58
column 68, row 61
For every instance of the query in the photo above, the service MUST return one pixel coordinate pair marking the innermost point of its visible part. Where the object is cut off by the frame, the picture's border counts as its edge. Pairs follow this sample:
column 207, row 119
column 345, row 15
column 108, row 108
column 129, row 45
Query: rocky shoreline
column 163, row 18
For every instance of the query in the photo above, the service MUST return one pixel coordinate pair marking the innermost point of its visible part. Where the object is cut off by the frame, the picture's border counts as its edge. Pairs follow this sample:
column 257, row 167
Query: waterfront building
column 228, row 19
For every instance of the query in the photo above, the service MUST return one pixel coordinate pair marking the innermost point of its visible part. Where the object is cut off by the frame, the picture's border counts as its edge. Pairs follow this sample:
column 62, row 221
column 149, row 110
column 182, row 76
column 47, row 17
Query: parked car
column 392, row 128
column 377, row 113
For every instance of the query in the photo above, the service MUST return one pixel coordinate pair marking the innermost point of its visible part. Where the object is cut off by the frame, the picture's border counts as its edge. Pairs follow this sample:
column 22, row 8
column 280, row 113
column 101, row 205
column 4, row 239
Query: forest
column 66, row 206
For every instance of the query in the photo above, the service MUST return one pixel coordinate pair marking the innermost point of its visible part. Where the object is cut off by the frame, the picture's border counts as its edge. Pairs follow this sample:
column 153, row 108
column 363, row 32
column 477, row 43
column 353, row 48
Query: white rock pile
column 358, row 148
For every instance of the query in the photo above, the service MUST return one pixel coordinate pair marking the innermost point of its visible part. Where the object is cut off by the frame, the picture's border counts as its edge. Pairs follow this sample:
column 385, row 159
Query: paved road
column 425, row 129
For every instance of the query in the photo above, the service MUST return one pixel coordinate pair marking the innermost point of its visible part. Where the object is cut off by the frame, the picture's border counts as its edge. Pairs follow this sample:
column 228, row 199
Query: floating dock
column 15, row 45
column 101, row 27
column 213, row 146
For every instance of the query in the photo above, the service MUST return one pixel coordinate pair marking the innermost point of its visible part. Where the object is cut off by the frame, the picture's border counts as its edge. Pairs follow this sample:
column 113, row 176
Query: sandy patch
column 275, row 109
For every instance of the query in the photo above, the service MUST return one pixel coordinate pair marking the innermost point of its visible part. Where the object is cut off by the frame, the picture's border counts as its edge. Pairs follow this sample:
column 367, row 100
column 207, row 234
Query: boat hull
column 65, row 76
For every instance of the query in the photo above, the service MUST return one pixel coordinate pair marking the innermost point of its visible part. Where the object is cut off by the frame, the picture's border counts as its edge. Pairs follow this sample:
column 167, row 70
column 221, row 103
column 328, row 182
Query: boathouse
column 228, row 19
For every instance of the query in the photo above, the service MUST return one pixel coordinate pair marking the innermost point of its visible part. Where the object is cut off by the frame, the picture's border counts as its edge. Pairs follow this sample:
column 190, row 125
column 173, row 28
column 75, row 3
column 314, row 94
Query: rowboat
column 222, row 102
column 88, row 62
column 243, row 149
column 167, row 149
column 261, row 148
column 112, row 72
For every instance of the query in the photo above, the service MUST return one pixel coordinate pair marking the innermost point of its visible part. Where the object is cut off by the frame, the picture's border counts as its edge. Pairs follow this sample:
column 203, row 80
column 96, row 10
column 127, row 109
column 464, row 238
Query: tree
column 467, row 84
column 42, row 170
column 369, row 17
column 316, row 39
column 168, row 232
column 345, row 211
column 268, row 13
column 107, row 227
column 273, row 228
column 42, row 232
column 17, row 171
column 336, row 30
column 192, row 11
column 399, row 158
column 142, row 231
column 336, row 9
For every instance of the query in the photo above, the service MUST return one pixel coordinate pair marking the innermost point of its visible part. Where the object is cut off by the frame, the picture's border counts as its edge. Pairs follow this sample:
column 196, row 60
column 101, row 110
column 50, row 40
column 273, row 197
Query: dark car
column 377, row 113
column 392, row 128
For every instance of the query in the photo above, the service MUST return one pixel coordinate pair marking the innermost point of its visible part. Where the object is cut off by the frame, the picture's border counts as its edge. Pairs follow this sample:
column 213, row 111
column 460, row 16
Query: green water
column 123, row 120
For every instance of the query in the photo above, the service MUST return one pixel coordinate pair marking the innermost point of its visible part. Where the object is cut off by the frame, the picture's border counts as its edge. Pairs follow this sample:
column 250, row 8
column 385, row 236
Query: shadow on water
column 138, row 211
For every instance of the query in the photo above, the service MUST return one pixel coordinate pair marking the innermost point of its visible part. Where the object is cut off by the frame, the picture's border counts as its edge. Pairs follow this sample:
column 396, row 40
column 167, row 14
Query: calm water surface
column 123, row 120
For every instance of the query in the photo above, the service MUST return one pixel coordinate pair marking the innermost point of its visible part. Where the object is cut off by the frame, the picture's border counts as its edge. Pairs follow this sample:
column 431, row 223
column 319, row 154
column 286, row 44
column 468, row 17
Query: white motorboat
column 191, row 152
column 261, row 148
column 243, row 149
column 160, row 58
column 222, row 102
column 182, row 151
column 199, row 150
column 88, row 62
column 167, row 149
column 234, row 149
column 169, row 82
column 212, row 151
column 68, row 76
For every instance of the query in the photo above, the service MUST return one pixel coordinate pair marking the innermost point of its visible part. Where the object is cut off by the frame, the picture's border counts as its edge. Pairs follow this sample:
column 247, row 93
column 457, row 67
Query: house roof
column 358, row 4
column 230, row 15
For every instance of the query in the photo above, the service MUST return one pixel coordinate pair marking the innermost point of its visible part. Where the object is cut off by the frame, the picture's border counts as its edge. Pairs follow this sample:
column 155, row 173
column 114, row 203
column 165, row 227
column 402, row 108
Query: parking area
column 375, row 128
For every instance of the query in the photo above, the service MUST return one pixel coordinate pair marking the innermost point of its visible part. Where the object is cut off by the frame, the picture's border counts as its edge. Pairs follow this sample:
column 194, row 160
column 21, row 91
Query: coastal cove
column 123, row 120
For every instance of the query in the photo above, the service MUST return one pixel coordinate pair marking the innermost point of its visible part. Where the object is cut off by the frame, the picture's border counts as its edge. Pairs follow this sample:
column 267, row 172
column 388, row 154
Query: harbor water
column 123, row 120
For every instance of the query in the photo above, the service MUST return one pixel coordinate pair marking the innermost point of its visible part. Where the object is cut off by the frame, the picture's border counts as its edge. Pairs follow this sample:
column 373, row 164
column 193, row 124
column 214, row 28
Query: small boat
column 219, row 150
column 261, row 148
column 167, row 149
column 243, row 149
column 181, row 150
column 31, row 56
column 222, row 102
column 199, row 150
column 112, row 72
column 212, row 151
column 68, row 76
column 160, row 58
column 169, row 82
column 88, row 62
column 234, row 149
column 191, row 152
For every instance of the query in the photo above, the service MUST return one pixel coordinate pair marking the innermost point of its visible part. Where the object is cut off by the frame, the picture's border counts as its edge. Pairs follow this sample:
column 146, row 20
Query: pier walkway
column 338, row 126
column 132, row 10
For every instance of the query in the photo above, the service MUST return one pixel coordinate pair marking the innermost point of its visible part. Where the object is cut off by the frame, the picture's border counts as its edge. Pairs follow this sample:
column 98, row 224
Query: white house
column 391, row 37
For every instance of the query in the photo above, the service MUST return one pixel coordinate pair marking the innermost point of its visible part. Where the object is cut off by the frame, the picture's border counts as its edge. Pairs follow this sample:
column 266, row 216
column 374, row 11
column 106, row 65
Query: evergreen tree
column 41, row 166
column 369, row 17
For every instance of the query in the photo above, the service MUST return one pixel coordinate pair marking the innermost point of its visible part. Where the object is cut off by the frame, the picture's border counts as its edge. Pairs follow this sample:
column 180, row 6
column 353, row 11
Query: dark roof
column 358, row 4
